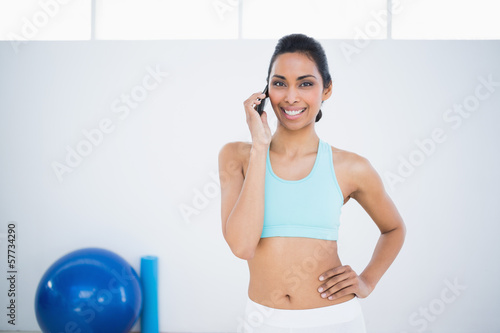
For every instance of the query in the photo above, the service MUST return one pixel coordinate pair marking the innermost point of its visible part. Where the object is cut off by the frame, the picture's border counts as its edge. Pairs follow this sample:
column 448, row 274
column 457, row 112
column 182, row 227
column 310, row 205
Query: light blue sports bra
column 309, row 207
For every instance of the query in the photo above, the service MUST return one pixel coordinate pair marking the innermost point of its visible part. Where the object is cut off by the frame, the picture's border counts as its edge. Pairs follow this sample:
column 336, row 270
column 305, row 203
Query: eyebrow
column 299, row 78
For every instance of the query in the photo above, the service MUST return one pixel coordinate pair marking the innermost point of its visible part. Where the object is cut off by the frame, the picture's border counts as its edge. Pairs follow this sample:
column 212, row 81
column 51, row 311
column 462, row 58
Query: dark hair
column 308, row 46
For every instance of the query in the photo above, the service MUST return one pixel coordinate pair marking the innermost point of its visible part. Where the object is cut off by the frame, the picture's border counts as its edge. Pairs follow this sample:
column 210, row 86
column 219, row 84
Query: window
column 45, row 20
column 159, row 19
column 318, row 18
column 446, row 19
column 247, row 19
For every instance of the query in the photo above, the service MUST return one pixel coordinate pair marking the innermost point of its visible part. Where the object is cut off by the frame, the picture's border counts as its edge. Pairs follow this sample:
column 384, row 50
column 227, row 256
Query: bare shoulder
column 233, row 155
column 235, row 149
column 349, row 160
column 354, row 172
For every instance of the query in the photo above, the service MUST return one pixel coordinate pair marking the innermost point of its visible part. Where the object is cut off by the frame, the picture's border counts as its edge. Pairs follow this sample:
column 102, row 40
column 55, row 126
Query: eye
column 308, row 84
column 278, row 83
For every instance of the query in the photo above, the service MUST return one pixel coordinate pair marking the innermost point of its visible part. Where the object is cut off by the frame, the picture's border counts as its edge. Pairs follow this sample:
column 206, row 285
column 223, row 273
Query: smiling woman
column 281, row 200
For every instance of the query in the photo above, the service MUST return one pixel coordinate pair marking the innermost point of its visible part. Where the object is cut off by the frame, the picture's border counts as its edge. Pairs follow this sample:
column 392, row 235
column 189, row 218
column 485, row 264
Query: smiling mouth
column 293, row 112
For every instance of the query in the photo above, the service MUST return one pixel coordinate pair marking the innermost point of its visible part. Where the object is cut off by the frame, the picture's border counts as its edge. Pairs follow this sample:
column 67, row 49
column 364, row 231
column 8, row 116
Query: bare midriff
column 284, row 272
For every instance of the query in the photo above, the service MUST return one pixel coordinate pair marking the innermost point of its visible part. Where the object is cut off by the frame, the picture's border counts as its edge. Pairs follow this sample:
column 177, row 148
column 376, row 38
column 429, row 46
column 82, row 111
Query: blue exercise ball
column 90, row 290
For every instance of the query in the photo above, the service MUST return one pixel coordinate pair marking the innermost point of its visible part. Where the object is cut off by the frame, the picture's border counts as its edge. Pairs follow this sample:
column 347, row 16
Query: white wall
column 127, row 193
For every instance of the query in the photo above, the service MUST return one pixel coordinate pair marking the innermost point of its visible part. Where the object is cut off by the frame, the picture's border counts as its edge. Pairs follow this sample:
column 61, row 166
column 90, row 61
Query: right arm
column 242, row 198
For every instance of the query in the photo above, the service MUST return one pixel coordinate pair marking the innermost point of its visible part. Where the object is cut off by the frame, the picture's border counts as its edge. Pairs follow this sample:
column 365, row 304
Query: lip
column 293, row 109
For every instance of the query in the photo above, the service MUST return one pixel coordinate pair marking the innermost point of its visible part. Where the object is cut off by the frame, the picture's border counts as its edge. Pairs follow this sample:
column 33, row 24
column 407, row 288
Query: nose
column 292, row 95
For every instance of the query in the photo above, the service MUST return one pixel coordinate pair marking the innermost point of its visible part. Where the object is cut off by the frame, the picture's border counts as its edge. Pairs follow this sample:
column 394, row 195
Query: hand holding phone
column 259, row 128
column 260, row 107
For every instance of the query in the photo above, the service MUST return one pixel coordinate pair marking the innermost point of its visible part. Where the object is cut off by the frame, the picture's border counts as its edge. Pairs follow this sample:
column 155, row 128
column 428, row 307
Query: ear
column 327, row 92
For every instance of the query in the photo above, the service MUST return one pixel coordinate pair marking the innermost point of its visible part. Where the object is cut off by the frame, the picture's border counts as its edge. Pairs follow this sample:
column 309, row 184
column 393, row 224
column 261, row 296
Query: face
column 296, row 89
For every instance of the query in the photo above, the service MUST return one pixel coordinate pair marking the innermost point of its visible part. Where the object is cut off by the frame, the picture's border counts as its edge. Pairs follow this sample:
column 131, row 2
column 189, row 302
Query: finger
column 331, row 272
column 347, row 275
column 343, row 284
column 261, row 95
column 342, row 293
column 255, row 103
column 334, row 271
column 353, row 283
column 334, row 281
column 334, row 290
column 252, row 105
column 335, row 275
column 251, row 112
column 340, row 286
column 254, row 97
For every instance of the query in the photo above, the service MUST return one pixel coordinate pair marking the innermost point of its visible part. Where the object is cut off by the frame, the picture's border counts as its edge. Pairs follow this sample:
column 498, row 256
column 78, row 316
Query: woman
column 281, row 201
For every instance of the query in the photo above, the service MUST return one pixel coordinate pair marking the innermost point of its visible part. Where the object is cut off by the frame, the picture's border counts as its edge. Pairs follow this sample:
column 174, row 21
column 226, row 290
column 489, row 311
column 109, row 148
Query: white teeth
column 293, row 113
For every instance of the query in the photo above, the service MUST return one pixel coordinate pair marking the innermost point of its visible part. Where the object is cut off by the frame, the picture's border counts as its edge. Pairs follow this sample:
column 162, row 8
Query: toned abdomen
column 284, row 272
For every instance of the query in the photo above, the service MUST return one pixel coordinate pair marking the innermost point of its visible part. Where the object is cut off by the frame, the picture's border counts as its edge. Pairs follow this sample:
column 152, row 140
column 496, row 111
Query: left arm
column 370, row 194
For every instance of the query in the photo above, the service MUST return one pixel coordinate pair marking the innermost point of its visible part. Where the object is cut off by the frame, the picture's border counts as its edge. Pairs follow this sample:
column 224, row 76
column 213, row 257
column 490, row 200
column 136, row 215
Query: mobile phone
column 260, row 107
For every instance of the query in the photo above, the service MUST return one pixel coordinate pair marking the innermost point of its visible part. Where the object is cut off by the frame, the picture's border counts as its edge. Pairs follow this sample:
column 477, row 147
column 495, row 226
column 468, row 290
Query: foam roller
column 149, row 279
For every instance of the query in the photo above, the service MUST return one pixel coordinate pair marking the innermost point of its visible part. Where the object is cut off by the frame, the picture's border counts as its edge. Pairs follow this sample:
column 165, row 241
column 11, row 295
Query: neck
column 291, row 143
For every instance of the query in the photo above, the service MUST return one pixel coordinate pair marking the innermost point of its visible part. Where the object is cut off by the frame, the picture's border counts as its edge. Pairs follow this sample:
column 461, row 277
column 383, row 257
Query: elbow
column 244, row 254
column 403, row 230
column 402, row 233
column 242, row 248
column 398, row 231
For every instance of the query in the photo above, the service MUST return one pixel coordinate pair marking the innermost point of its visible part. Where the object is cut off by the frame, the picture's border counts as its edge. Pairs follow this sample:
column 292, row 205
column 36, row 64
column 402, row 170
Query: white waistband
column 333, row 314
